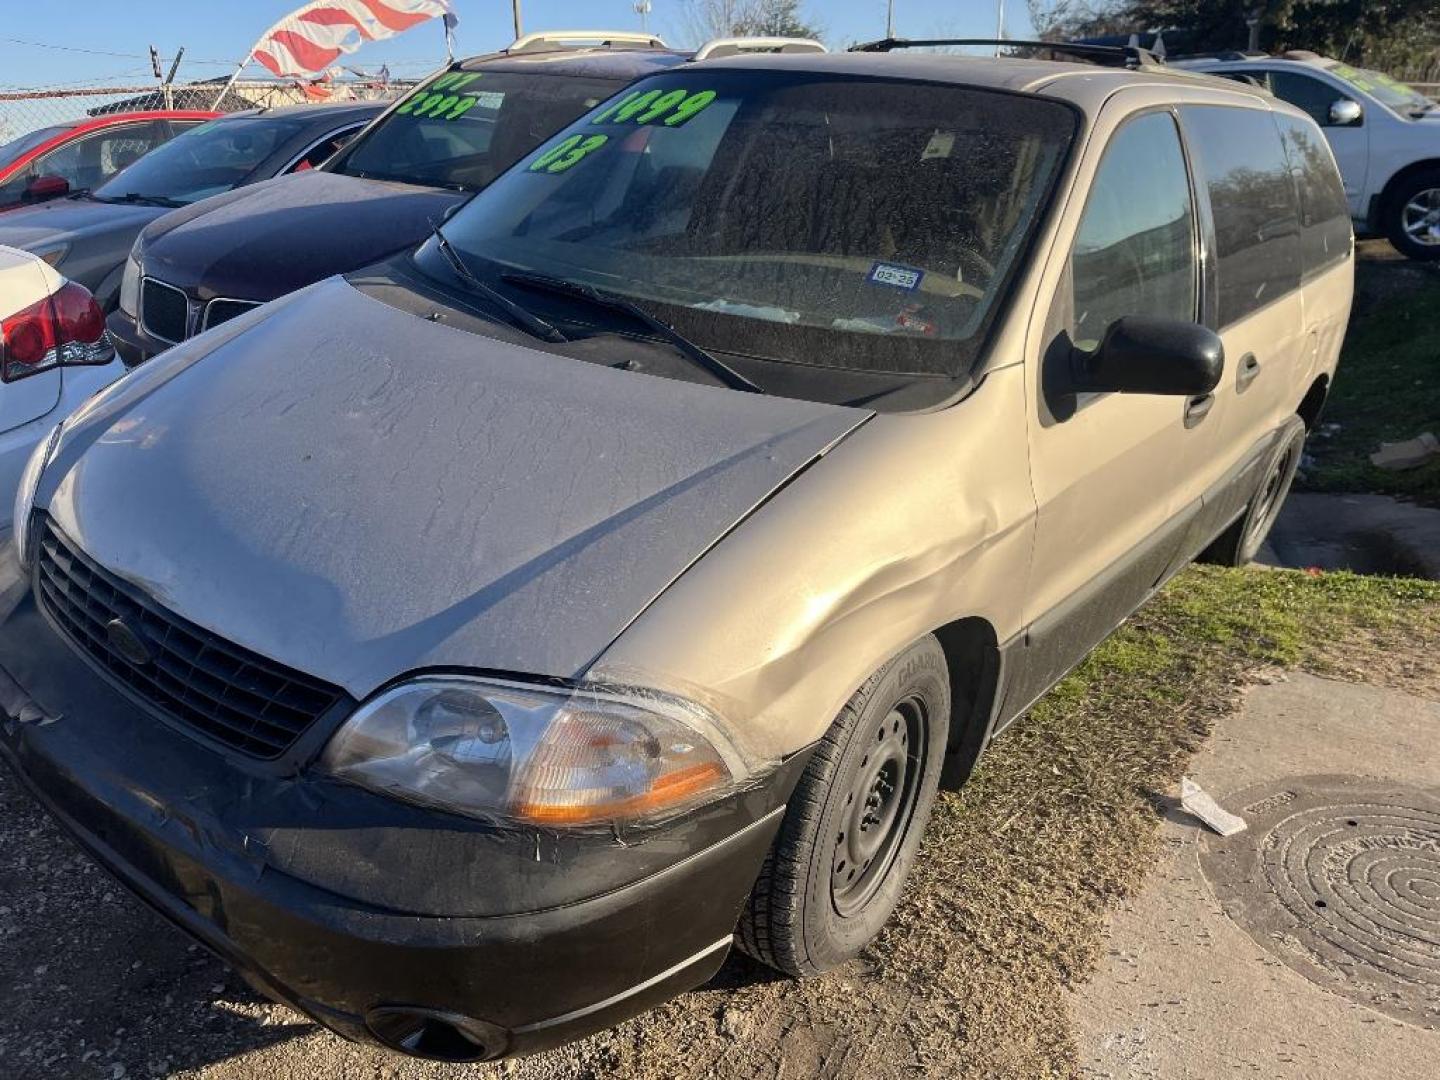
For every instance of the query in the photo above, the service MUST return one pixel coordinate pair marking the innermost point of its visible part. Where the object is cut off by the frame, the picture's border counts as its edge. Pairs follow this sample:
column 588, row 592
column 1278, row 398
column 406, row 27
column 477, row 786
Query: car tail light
column 65, row 329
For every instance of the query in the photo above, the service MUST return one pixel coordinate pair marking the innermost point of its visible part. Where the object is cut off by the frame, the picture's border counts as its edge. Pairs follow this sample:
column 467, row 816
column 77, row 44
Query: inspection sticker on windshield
column 895, row 275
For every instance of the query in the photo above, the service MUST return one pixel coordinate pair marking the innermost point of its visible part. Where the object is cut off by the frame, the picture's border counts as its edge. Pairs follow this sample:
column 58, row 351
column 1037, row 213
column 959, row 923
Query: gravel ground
column 1006, row 908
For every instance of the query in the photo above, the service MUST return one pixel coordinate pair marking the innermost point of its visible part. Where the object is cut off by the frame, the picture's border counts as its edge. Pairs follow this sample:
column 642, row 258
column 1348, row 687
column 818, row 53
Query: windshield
column 1384, row 89
column 15, row 148
column 863, row 224
column 464, row 128
column 201, row 162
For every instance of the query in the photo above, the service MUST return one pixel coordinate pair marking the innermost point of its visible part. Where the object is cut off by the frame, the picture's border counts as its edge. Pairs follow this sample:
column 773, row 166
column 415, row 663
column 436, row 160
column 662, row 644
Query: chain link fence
column 25, row 111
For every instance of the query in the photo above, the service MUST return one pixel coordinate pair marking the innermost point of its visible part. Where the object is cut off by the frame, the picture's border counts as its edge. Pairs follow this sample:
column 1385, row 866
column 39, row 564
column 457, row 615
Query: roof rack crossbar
column 734, row 46
column 1109, row 55
column 552, row 39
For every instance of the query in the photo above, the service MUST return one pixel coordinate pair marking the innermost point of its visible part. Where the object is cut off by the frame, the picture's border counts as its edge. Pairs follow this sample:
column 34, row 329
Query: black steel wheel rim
column 1269, row 504
column 879, row 805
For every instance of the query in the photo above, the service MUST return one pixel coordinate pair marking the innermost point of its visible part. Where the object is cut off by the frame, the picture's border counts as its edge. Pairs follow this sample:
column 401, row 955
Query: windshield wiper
column 530, row 323
column 138, row 199
column 581, row 291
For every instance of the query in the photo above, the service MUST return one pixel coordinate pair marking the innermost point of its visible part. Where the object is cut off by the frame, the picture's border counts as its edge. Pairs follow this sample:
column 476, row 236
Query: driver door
column 1107, row 469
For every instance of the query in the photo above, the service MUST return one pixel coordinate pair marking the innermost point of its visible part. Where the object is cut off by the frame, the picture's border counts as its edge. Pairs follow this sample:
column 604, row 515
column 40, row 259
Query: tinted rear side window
column 1324, row 213
column 1242, row 164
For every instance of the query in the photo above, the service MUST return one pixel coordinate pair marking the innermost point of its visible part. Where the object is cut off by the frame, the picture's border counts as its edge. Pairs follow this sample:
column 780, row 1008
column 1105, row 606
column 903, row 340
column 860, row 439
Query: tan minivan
column 471, row 648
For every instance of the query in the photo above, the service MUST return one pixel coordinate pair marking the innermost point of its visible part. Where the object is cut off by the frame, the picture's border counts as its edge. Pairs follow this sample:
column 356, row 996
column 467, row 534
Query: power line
column 99, row 52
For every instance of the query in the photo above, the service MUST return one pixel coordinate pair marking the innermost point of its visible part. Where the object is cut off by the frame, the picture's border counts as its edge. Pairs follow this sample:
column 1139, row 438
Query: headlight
column 25, row 497
column 55, row 254
column 534, row 754
column 130, row 287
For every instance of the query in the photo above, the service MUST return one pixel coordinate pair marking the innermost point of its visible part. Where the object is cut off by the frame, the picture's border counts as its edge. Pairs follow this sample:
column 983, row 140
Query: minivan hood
column 358, row 492
column 281, row 235
column 71, row 219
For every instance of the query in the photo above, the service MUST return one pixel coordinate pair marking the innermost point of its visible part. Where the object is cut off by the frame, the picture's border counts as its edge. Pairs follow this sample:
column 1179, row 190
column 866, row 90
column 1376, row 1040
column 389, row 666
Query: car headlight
column 29, row 484
column 53, row 255
column 130, row 287
column 537, row 755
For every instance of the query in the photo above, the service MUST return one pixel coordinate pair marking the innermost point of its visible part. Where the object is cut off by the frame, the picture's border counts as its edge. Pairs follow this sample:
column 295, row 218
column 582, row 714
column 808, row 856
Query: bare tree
column 701, row 20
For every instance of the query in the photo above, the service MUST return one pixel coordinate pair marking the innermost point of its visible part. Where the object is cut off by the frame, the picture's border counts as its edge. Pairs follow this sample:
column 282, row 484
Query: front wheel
column 1412, row 216
column 854, row 823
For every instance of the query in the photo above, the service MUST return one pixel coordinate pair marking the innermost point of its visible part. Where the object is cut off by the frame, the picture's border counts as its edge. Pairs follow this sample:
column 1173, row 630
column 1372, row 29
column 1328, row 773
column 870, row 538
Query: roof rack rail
column 544, row 40
column 1222, row 54
column 1131, row 56
column 734, row 46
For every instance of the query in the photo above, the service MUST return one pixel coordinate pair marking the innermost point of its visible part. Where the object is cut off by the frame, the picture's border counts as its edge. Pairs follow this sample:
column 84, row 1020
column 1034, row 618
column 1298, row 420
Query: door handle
column 1197, row 408
column 1247, row 373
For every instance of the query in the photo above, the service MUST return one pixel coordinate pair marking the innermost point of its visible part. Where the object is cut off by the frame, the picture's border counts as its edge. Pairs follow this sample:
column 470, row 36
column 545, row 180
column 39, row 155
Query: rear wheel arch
column 1313, row 403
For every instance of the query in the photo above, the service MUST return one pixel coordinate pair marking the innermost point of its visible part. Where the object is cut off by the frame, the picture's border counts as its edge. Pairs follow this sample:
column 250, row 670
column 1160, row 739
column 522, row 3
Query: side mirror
column 1345, row 113
column 46, row 187
column 1144, row 354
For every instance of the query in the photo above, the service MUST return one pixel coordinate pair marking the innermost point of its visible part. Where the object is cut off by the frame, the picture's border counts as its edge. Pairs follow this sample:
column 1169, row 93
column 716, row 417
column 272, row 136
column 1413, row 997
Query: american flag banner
column 313, row 37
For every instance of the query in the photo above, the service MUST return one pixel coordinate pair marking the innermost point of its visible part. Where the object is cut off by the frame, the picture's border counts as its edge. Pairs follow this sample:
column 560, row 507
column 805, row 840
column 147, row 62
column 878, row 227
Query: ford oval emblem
column 128, row 643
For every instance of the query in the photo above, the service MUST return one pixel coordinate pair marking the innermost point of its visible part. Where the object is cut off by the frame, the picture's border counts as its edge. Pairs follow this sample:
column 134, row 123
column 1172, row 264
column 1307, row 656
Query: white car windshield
column 1392, row 92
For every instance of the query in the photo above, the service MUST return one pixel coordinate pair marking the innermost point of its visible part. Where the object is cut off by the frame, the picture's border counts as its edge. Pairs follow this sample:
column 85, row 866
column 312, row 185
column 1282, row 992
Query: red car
column 84, row 153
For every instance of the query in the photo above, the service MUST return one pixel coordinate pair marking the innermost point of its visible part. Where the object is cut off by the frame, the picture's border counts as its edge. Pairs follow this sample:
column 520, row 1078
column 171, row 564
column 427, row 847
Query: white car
column 43, row 319
column 1385, row 136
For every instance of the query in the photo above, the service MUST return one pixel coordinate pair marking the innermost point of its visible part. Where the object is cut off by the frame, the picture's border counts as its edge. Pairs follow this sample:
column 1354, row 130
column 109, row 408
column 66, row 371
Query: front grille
column 220, row 311
column 195, row 680
column 164, row 311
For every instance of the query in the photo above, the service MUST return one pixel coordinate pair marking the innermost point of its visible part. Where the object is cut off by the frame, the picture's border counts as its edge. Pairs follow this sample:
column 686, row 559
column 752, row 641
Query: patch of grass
column 1007, row 903
column 1386, row 389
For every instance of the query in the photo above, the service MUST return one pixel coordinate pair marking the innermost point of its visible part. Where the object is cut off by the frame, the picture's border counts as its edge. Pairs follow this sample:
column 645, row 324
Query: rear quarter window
column 1324, row 213
column 1243, row 166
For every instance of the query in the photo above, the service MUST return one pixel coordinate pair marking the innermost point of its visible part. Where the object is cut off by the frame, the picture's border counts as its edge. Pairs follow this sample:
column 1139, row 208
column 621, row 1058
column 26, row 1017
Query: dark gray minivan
column 383, row 193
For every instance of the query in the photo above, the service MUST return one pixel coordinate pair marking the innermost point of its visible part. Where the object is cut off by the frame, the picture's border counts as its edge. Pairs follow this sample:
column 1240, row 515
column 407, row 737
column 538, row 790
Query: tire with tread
column 791, row 921
column 1393, row 215
column 1241, row 542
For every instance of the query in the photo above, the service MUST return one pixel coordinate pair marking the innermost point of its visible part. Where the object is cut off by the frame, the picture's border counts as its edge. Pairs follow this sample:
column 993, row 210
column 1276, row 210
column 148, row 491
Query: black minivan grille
column 195, row 679
column 164, row 311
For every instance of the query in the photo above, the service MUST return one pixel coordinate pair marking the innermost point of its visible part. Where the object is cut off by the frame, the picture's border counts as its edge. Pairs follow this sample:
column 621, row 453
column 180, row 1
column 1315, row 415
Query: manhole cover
column 1340, row 879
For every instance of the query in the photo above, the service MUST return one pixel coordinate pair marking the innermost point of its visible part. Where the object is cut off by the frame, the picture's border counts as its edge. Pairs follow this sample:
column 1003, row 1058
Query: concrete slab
column 1370, row 534
column 1183, row 992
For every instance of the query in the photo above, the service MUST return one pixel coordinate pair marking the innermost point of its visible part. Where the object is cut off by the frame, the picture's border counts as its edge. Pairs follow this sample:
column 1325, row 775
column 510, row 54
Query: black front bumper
column 341, row 903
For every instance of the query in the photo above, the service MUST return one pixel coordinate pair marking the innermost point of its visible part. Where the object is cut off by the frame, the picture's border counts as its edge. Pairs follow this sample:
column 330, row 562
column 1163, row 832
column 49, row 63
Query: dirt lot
column 1005, row 912
column 1006, row 909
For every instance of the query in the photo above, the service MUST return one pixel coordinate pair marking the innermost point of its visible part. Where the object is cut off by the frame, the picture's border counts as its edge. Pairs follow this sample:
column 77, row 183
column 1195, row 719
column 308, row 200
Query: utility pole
column 642, row 8
column 515, row 7
column 999, row 24
column 170, row 80
column 1254, row 19
column 890, row 19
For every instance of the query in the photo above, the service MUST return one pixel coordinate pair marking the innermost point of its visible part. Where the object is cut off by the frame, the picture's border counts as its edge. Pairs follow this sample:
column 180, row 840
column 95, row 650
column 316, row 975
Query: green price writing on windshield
column 439, row 98
column 568, row 153
column 670, row 108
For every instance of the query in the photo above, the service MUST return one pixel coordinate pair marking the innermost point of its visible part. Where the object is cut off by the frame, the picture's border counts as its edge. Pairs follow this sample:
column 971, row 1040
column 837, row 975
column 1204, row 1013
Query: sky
column 94, row 42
